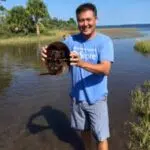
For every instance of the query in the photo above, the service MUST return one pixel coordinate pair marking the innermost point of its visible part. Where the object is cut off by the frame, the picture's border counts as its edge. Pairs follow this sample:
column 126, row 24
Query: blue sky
column 110, row 12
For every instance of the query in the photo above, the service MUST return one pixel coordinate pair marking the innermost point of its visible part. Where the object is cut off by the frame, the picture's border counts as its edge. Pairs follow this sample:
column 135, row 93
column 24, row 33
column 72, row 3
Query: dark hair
column 86, row 6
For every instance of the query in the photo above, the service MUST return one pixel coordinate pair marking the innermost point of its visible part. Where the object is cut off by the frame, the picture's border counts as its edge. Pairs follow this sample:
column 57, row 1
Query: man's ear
column 97, row 20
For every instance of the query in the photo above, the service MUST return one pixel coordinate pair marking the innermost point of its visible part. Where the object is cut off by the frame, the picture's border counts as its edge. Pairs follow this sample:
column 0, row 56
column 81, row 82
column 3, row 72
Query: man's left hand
column 75, row 59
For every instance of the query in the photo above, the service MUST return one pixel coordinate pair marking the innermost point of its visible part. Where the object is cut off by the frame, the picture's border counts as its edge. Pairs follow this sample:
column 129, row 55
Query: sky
column 110, row 12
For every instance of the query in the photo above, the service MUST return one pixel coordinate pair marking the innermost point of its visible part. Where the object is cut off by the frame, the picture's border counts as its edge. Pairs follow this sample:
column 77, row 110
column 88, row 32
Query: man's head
column 87, row 16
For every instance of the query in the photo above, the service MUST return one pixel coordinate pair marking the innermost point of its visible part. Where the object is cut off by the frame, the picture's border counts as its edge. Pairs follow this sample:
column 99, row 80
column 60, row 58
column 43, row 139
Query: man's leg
column 99, row 121
column 79, row 122
column 103, row 145
column 87, row 139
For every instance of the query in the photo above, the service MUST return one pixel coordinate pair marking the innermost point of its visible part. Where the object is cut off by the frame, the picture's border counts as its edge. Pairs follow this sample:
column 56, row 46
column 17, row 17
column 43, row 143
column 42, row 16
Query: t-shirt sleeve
column 107, row 51
column 68, row 42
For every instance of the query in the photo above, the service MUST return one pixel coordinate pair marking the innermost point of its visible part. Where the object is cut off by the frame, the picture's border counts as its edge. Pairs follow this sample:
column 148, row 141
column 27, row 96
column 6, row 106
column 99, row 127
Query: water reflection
column 14, row 58
column 5, row 77
column 27, row 56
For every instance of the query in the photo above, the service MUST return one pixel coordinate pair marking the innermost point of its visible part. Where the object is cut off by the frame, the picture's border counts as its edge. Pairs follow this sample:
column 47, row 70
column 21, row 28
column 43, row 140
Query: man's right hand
column 44, row 53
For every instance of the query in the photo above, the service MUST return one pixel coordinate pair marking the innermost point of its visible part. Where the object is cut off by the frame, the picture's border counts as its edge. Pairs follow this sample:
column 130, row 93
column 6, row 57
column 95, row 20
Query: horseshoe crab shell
column 57, row 61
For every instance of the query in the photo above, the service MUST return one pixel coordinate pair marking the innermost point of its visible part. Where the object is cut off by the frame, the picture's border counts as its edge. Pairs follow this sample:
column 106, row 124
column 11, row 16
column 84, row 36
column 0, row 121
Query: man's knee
column 103, row 145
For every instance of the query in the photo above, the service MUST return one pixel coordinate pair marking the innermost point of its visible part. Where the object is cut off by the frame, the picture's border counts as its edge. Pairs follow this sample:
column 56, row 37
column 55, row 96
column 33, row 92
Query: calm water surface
column 34, row 109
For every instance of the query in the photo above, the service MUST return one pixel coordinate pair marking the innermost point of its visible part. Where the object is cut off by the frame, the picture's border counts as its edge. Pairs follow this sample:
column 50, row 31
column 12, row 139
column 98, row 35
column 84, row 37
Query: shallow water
column 34, row 109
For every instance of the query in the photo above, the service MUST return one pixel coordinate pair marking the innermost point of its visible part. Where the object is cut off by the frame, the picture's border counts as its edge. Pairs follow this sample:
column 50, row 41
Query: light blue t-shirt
column 87, row 86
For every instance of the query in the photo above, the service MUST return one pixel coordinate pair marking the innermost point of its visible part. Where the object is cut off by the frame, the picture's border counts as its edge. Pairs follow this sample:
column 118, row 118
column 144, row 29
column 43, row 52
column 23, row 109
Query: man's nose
column 85, row 23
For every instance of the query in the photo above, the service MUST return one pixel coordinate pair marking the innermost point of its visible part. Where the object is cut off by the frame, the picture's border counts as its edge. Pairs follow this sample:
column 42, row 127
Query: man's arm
column 101, row 68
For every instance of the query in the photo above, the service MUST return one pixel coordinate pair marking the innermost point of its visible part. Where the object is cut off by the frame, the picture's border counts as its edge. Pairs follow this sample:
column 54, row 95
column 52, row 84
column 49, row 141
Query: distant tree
column 61, row 24
column 3, row 16
column 3, row 12
column 32, row 18
column 2, row 8
column 18, row 20
column 38, row 11
column 71, row 21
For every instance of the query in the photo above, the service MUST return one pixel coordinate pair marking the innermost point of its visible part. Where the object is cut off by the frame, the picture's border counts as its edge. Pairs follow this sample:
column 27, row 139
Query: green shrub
column 141, row 99
column 140, row 135
column 140, row 130
column 143, row 46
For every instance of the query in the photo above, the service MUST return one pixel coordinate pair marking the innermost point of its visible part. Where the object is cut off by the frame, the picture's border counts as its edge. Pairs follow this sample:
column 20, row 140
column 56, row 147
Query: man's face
column 87, row 22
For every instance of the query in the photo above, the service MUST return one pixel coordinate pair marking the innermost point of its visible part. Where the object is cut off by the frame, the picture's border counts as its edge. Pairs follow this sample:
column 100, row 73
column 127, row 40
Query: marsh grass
column 53, row 35
column 143, row 46
column 140, row 135
column 49, row 36
column 140, row 130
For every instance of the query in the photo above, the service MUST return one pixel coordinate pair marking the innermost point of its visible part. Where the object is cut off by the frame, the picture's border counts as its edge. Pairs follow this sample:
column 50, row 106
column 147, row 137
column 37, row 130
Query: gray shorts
column 91, row 117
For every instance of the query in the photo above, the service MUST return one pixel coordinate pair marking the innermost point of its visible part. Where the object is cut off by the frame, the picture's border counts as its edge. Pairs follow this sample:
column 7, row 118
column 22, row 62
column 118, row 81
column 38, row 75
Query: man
column 91, row 56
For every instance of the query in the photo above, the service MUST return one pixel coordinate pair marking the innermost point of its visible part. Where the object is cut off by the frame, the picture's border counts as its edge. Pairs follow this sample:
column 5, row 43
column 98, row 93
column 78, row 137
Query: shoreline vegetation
column 143, row 46
column 140, row 129
column 59, row 34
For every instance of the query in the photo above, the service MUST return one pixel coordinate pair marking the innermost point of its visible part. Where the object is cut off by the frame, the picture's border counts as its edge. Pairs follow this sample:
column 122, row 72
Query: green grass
column 140, row 137
column 52, row 35
column 141, row 99
column 143, row 46
column 49, row 36
column 140, row 130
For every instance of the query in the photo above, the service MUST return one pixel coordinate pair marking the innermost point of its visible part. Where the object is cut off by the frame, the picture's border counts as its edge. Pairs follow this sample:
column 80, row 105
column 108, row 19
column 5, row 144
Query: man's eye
column 81, row 20
column 88, row 19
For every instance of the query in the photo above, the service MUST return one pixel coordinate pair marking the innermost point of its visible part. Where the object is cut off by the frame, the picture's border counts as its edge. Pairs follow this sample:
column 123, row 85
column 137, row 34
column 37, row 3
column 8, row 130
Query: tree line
column 33, row 18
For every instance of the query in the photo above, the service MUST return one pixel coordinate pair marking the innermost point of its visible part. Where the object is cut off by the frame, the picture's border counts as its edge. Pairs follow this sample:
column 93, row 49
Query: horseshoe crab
column 57, row 61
